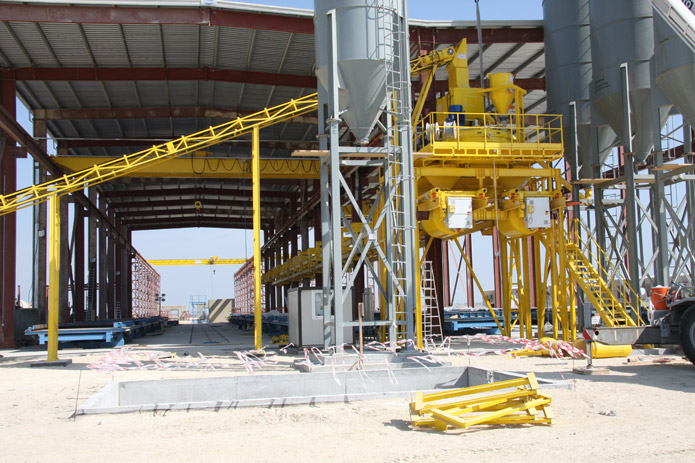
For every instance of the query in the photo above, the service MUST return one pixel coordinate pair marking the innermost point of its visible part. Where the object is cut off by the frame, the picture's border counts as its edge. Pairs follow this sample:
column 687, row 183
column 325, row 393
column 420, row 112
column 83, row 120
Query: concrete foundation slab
column 290, row 389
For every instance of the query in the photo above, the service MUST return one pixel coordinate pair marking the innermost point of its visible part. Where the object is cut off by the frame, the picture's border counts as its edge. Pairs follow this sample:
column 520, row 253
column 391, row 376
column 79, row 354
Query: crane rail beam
column 204, row 167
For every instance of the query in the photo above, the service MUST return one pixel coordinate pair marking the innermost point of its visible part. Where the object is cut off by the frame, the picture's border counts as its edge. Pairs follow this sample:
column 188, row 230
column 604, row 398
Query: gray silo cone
column 640, row 102
column 362, row 94
column 679, row 86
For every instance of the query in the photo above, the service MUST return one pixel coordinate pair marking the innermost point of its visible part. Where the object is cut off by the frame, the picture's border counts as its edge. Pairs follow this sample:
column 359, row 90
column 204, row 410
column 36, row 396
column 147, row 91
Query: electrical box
column 368, row 304
column 459, row 213
column 305, row 316
column 537, row 213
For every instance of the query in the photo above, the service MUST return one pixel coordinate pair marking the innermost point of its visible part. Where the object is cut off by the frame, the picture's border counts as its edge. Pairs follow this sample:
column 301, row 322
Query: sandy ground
column 652, row 400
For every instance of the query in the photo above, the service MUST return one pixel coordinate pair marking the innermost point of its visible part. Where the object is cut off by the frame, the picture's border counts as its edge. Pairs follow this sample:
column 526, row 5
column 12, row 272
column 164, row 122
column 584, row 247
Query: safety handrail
column 537, row 130
column 612, row 271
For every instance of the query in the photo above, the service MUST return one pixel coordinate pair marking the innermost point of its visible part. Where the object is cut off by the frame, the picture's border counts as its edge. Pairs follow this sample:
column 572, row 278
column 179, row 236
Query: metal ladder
column 431, row 323
column 396, row 84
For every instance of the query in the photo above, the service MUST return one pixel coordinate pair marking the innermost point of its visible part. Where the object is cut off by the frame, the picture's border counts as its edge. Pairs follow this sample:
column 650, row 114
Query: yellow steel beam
column 482, row 172
column 133, row 162
column 200, row 166
column 210, row 261
column 256, row 181
column 53, row 278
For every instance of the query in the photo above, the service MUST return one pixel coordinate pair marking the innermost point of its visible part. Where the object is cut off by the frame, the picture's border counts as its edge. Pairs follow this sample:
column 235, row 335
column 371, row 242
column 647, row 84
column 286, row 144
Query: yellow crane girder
column 198, row 165
column 119, row 167
column 210, row 261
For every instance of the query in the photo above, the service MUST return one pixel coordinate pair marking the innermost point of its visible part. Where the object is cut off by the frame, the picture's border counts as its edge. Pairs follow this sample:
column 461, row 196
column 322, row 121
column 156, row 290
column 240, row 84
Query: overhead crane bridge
column 215, row 260
column 475, row 171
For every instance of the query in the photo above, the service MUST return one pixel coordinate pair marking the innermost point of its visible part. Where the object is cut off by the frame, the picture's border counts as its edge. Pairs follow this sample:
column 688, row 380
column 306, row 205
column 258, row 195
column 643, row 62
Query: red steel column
column 64, row 260
column 440, row 266
column 128, row 310
column 118, row 275
column 470, row 289
column 445, row 298
column 40, row 264
column 78, row 269
column 8, row 225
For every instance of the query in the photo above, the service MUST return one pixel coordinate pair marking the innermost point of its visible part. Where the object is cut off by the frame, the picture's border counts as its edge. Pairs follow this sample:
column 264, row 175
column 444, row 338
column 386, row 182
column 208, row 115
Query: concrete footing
column 54, row 363
column 593, row 370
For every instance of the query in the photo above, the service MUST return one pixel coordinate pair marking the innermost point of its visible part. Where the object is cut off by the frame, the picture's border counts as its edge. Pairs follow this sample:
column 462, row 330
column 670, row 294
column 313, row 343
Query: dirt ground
column 642, row 410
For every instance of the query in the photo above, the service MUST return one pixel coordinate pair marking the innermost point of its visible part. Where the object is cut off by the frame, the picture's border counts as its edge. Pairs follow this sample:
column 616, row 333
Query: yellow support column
column 53, row 277
column 256, row 175
column 506, row 287
column 525, row 299
column 554, row 278
column 541, row 287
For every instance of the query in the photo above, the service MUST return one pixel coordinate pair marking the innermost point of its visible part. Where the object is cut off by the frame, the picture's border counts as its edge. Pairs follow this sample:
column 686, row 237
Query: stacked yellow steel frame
column 463, row 408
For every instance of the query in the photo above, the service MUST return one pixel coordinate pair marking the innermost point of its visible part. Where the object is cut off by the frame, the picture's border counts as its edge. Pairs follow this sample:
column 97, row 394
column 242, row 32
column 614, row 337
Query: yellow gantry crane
column 187, row 144
column 211, row 261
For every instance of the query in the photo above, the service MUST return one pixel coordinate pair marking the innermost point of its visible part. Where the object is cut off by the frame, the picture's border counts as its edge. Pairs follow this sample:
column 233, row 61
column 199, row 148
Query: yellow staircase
column 609, row 298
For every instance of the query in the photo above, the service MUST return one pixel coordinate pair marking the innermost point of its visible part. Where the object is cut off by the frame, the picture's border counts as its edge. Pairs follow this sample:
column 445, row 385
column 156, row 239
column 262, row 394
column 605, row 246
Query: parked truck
column 674, row 325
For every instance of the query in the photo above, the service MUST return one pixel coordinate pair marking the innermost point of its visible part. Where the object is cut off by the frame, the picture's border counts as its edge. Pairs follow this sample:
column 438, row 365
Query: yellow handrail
column 612, row 272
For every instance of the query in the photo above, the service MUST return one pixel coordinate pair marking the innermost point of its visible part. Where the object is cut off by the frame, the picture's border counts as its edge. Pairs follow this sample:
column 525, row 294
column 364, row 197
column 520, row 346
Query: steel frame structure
column 389, row 227
column 146, row 284
column 244, row 288
column 645, row 222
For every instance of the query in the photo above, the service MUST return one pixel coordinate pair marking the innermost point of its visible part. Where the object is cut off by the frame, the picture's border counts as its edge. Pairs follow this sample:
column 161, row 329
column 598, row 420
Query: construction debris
column 456, row 408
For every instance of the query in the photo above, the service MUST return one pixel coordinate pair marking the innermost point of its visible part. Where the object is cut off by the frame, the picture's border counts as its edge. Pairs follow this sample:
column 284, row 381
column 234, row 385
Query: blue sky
column 180, row 283
column 463, row 10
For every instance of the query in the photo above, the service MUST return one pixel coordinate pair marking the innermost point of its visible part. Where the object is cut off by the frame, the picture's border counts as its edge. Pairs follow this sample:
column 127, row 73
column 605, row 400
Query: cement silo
column 361, row 50
column 674, row 65
column 622, row 32
column 569, row 75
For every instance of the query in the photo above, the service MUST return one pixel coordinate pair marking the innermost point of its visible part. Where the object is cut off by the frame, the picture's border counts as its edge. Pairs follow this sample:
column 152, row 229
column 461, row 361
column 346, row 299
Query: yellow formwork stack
column 483, row 405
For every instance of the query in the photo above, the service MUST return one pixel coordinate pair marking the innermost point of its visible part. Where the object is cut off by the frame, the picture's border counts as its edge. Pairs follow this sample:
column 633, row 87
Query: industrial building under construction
column 542, row 169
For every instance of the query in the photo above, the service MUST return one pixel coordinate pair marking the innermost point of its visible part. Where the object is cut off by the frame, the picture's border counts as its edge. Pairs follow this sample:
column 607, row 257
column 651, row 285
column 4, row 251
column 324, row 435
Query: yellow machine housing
column 460, row 96
column 470, row 160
